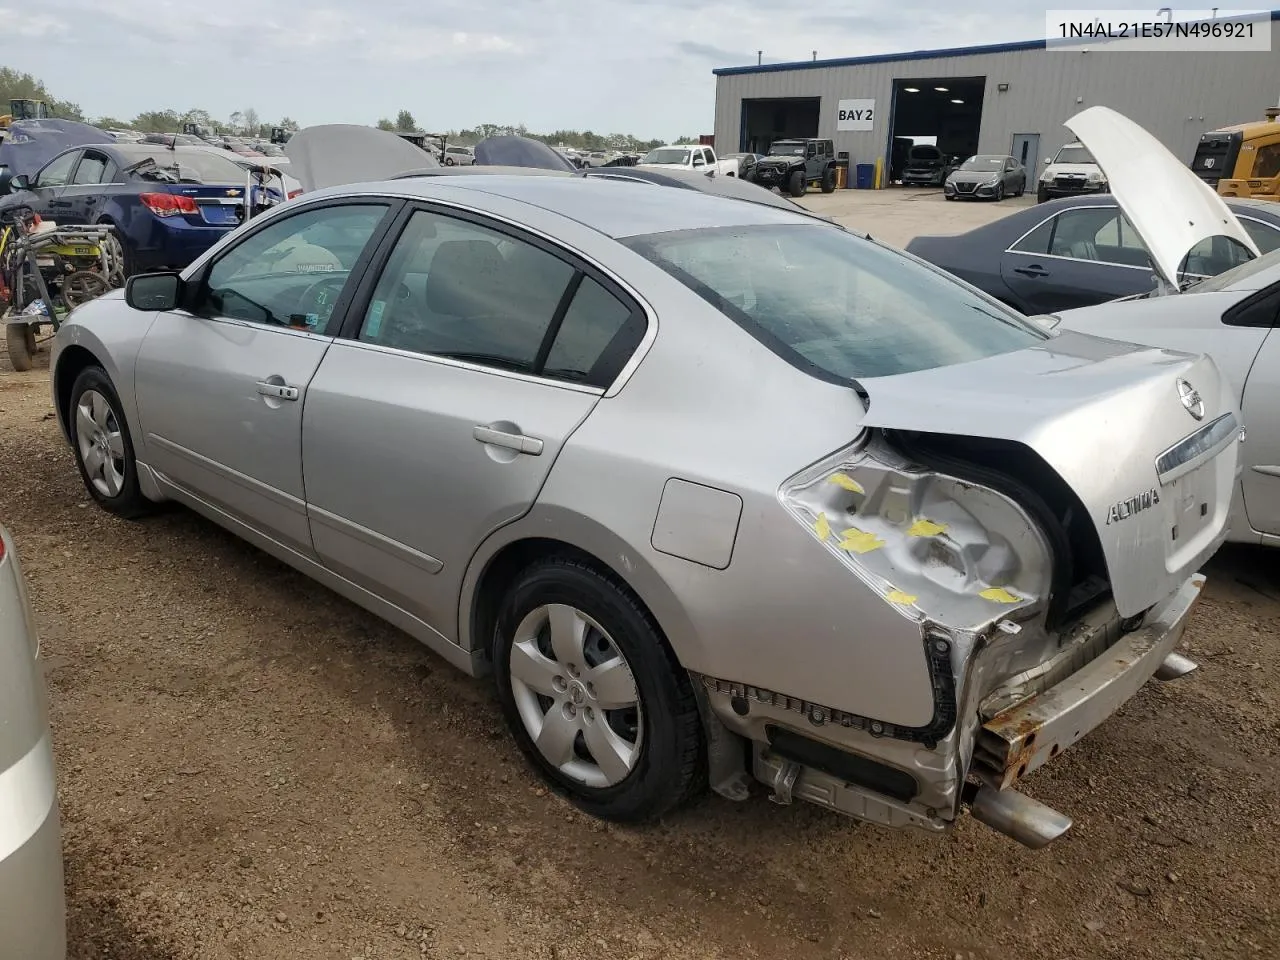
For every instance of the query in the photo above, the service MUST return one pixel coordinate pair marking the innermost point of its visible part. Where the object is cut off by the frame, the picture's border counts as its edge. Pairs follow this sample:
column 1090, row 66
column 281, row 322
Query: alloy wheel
column 100, row 443
column 576, row 695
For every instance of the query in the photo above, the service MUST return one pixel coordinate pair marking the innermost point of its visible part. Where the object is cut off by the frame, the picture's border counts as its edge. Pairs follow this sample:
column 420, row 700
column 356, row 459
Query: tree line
column 247, row 122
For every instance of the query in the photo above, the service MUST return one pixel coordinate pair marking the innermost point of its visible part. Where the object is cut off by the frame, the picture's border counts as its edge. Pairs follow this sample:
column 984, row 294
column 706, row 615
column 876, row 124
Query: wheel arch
column 72, row 361
column 512, row 549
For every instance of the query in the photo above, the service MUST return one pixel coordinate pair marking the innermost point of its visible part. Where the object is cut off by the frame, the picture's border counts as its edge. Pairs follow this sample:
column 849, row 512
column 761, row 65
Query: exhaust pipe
column 1019, row 817
column 1175, row 665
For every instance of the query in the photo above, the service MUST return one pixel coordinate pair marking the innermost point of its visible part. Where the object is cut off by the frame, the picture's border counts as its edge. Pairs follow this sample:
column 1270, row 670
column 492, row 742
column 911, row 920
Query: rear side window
column 836, row 305
column 596, row 337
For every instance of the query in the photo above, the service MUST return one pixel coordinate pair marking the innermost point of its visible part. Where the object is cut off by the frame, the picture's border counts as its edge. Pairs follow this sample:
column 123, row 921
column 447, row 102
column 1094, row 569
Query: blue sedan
column 168, row 204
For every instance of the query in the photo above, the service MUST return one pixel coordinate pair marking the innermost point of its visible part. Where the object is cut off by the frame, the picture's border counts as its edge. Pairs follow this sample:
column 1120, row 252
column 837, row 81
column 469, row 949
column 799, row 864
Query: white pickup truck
column 689, row 156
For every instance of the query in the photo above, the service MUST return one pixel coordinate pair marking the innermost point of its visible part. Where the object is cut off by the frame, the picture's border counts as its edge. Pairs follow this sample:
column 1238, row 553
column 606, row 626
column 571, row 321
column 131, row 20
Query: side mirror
column 153, row 291
column 20, row 182
column 1045, row 161
column 699, row 162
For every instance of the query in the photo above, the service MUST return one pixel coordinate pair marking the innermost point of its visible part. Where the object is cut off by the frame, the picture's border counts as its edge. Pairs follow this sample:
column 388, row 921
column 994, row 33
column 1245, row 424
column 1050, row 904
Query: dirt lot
column 253, row 768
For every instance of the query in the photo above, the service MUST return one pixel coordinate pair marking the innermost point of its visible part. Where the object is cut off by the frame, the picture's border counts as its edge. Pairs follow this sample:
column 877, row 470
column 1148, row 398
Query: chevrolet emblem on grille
column 234, row 193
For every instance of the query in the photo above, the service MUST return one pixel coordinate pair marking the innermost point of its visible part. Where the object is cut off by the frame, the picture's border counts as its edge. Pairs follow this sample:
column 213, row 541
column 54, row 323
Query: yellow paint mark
column 897, row 596
column 859, row 541
column 926, row 528
column 999, row 595
column 846, row 482
column 822, row 526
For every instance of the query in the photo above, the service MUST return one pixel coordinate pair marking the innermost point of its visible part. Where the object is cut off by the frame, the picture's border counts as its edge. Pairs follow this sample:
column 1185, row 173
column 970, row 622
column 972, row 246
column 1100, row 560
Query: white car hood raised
column 1171, row 208
column 336, row 154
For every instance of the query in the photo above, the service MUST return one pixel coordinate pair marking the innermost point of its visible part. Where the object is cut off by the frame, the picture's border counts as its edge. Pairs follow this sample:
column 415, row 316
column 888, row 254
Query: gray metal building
column 1010, row 97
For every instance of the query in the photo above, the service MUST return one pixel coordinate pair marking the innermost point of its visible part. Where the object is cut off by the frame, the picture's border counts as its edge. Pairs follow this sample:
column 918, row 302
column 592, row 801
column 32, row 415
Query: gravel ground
column 251, row 767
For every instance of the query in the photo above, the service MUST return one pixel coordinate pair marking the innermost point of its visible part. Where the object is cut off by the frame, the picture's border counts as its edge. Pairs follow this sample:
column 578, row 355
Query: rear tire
column 20, row 338
column 797, row 186
column 829, row 181
column 569, row 640
column 103, row 447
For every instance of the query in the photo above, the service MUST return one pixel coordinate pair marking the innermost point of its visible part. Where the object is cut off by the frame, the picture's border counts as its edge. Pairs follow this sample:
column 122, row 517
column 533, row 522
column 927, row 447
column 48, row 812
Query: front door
column 221, row 386
column 82, row 197
column 1026, row 150
column 438, row 416
column 44, row 194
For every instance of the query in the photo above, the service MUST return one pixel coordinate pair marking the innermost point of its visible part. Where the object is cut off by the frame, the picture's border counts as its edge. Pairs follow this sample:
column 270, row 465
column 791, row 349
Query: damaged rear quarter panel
column 1098, row 412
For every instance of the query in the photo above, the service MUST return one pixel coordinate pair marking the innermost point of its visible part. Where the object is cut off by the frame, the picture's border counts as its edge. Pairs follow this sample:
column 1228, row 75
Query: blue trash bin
column 866, row 176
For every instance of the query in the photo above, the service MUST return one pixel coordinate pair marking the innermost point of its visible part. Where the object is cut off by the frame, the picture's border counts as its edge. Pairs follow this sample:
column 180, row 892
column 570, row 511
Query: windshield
column 667, row 155
column 1074, row 155
column 983, row 163
column 834, row 304
column 195, row 166
column 786, row 148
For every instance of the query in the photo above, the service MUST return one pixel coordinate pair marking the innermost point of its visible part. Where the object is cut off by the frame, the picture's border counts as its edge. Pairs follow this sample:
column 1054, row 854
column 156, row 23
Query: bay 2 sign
column 856, row 115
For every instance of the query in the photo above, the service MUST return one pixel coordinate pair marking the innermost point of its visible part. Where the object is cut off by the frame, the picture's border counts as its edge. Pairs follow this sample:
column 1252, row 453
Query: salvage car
column 33, row 924
column 168, row 204
column 850, row 559
column 986, row 177
column 926, row 166
column 1078, row 252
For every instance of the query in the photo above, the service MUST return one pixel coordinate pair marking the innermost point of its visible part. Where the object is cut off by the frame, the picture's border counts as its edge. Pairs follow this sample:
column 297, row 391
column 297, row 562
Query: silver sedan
column 719, row 492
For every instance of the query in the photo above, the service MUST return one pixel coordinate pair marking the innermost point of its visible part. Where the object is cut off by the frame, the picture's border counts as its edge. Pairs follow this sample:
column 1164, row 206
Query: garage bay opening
column 764, row 121
column 945, row 112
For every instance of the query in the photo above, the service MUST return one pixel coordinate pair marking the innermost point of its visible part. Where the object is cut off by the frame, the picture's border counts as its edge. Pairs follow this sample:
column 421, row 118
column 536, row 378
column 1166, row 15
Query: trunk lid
column 1102, row 414
column 1172, row 209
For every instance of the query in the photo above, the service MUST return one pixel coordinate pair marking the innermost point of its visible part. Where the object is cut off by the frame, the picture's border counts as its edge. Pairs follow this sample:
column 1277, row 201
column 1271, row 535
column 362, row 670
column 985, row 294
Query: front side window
column 57, row 171
column 834, row 304
column 1097, row 234
column 292, row 272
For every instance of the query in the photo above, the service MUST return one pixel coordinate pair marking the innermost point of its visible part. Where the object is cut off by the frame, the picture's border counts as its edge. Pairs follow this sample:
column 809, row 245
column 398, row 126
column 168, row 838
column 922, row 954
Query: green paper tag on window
column 373, row 320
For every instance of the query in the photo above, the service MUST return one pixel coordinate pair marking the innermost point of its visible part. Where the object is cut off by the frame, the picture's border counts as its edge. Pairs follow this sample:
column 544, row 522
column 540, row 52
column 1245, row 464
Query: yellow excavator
column 1242, row 160
column 24, row 110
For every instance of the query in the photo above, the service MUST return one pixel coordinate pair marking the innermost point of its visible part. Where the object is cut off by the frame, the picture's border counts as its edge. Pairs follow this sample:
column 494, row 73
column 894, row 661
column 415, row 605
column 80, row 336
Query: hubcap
column 100, row 443
column 576, row 695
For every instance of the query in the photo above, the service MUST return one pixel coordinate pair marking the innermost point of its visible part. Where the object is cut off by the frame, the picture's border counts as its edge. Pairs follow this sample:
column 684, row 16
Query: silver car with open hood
column 717, row 491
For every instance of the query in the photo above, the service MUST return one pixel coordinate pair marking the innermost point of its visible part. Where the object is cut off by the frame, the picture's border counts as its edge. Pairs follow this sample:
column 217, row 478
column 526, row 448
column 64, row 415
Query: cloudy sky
column 625, row 66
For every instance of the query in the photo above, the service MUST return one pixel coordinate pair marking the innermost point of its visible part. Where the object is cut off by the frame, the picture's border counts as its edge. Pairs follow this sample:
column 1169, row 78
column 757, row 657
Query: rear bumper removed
column 895, row 784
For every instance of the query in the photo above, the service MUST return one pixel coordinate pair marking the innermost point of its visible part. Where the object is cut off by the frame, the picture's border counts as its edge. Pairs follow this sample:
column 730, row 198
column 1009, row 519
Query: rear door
column 1260, row 478
column 82, row 196
column 1076, row 258
column 467, row 363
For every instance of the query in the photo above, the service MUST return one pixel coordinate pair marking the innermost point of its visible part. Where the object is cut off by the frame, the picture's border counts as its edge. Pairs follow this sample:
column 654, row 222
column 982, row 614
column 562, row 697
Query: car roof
column 616, row 208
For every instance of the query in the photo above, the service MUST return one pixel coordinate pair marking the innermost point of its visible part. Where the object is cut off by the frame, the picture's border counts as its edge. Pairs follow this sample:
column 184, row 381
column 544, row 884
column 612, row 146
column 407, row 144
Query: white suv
column 1072, row 172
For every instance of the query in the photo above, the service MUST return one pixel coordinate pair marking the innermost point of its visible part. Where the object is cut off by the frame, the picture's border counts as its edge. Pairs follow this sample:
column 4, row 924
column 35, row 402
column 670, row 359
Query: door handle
column 281, row 391
column 1035, row 270
column 512, row 441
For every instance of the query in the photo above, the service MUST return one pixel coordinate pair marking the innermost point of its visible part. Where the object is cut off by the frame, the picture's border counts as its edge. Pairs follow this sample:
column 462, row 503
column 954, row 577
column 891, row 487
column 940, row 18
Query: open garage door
column 764, row 121
column 946, row 111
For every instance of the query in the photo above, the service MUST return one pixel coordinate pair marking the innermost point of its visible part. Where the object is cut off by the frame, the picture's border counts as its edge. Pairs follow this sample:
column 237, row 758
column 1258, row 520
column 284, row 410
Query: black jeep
column 791, row 165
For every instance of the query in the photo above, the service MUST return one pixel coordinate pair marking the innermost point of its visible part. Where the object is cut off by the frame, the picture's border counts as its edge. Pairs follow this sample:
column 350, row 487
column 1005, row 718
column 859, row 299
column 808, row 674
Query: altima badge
column 1190, row 398
column 1127, row 508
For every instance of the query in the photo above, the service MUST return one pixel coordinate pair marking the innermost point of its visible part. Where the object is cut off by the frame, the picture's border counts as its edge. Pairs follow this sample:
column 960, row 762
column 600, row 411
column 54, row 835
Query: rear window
column 194, row 166
column 836, row 305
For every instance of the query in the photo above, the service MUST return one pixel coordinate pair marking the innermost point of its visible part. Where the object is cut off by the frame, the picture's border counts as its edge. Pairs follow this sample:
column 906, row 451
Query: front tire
column 999, row 192
column 103, row 447
column 797, row 186
column 1041, row 194
column 595, row 699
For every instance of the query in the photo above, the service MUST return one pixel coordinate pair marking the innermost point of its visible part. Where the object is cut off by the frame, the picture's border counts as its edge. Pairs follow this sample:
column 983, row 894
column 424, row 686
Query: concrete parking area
column 251, row 767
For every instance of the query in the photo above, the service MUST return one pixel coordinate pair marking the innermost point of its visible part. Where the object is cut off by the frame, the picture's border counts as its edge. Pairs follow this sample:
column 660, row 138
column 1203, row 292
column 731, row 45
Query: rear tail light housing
column 295, row 193
column 169, row 204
